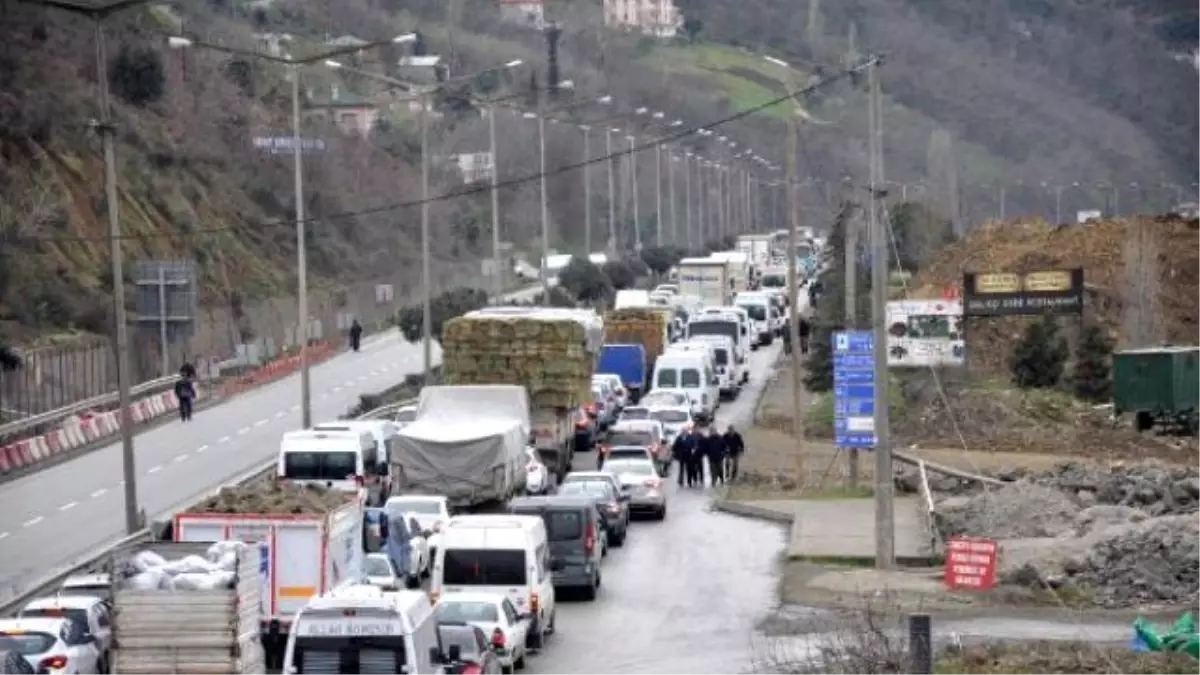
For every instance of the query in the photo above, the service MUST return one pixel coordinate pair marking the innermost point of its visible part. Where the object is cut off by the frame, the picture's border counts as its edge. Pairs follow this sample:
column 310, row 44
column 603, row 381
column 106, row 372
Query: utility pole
column 612, row 196
column 633, row 185
column 545, row 208
column 850, row 284
column 671, row 196
column 687, row 200
column 885, row 544
column 587, row 188
column 793, row 277
column 1003, row 201
column 498, row 283
column 658, row 225
column 426, row 267
column 701, row 197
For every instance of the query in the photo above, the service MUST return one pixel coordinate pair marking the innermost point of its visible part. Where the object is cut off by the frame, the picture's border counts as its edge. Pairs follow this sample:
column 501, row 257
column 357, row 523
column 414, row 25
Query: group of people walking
column 693, row 448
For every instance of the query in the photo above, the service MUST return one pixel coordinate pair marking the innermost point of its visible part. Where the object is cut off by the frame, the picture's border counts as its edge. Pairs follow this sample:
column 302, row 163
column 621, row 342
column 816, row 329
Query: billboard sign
column 923, row 333
column 1032, row 293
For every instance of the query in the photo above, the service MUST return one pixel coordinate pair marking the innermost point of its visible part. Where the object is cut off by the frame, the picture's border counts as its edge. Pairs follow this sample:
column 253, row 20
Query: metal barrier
column 23, row 426
column 50, row 583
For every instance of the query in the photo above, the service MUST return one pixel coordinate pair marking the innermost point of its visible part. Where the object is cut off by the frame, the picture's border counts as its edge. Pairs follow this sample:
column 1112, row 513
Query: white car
column 665, row 397
column 620, row 395
column 637, row 412
column 432, row 512
column 89, row 610
column 92, row 585
column 52, row 645
column 674, row 419
column 537, row 477
column 494, row 614
column 380, row 572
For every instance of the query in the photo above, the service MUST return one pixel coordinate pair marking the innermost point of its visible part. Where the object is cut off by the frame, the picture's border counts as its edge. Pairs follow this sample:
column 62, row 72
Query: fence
column 57, row 376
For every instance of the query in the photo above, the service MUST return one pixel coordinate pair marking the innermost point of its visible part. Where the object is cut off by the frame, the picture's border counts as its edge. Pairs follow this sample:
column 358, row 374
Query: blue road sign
column 854, row 389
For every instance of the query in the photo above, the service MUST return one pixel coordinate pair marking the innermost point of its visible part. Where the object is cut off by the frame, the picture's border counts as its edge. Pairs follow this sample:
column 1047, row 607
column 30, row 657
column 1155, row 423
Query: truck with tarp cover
column 551, row 352
column 467, row 443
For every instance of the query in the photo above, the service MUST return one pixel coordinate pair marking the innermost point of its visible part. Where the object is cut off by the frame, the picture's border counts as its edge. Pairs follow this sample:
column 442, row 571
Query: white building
column 658, row 18
column 524, row 12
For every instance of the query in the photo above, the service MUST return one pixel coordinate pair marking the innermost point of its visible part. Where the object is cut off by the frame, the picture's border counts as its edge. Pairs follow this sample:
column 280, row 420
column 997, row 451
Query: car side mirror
column 455, row 652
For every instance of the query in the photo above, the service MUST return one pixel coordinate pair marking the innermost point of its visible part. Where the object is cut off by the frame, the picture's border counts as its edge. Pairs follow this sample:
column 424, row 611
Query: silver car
column 640, row 480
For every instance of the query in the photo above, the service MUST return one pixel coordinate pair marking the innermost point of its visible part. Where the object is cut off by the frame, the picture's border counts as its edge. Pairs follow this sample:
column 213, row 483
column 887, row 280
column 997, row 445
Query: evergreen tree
column 1092, row 376
column 1038, row 359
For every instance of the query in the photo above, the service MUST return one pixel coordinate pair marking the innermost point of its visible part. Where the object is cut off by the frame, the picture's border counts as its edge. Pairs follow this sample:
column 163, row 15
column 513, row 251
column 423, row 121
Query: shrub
column 1091, row 378
column 1039, row 358
column 137, row 75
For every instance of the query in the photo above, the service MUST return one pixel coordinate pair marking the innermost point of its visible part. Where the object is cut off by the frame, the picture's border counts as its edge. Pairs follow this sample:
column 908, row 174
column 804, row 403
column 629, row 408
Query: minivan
column 758, row 307
column 692, row 373
column 574, row 528
column 731, row 374
column 345, row 460
column 504, row 554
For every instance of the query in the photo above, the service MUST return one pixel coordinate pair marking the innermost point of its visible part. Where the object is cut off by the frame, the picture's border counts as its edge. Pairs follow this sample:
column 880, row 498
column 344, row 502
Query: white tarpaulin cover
column 502, row 401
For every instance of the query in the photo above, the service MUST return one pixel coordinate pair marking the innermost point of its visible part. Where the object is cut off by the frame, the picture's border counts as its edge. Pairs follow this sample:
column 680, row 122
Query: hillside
column 193, row 186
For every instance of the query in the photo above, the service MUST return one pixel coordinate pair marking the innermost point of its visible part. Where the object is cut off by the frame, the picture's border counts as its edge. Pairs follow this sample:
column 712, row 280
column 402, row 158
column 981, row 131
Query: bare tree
column 1142, row 322
column 941, row 164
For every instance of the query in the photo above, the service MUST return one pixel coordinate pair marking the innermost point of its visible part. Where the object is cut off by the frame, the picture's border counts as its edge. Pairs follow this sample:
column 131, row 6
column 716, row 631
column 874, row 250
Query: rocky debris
column 1156, row 561
column 1016, row 510
column 1057, row 656
column 273, row 498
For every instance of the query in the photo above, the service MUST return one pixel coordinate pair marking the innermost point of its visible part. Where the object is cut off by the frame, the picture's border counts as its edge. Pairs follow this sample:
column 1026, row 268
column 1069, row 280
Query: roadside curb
column 751, row 511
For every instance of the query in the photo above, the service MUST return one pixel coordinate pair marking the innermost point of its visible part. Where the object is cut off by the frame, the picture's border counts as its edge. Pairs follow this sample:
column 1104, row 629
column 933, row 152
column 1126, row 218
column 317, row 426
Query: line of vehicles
column 469, row 491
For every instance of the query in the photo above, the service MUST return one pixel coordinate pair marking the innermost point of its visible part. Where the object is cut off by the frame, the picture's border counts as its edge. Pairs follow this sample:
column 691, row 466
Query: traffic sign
column 854, row 389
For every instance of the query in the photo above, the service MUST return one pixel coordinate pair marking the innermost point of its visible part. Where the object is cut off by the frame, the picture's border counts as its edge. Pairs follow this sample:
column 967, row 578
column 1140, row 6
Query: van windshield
column 756, row 312
column 374, row 654
column 722, row 357
column 690, row 378
column 630, row 437
column 563, row 525
column 320, row 465
column 484, row 567
column 727, row 328
column 667, row 377
column 773, row 281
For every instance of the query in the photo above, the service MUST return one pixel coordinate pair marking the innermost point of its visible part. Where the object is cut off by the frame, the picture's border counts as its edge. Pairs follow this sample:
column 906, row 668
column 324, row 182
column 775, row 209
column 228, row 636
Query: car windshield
column 631, row 467
column 78, row 615
column 635, row 414
column 664, row 398
column 614, row 453
column 668, row 377
column 452, row 611
column 629, row 437
column 26, row 643
column 423, row 507
column 320, row 465
column 484, row 567
column 773, row 280
column 377, row 566
column 690, row 377
column 464, row 638
column 670, row 416
column 406, row 415
column 591, row 488
column 717, row 327
column 756, row 312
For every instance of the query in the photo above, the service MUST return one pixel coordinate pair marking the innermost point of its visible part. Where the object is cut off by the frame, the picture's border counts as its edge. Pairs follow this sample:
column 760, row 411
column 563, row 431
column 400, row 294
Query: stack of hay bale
column 551, row 353
column 647, row 326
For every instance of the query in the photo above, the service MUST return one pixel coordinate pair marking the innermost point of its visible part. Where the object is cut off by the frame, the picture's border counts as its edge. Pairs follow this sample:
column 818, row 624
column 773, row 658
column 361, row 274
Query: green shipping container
column 1162, row 380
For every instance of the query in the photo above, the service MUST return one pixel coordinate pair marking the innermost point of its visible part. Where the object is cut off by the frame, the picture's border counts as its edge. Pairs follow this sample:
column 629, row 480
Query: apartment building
column 657, row 18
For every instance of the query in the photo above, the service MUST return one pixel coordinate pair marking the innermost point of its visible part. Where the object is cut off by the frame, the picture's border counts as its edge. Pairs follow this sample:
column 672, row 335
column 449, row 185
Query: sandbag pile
column 646, row 326
column 273, row 498
column 217, row 569
column 548, row 355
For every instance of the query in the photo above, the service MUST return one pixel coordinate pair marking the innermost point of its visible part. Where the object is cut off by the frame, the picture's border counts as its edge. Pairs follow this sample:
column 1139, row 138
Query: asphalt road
column 58, row 515
column 683, row 595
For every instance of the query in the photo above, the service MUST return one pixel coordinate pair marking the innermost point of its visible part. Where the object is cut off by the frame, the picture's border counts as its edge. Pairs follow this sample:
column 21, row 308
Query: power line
column 478, row 189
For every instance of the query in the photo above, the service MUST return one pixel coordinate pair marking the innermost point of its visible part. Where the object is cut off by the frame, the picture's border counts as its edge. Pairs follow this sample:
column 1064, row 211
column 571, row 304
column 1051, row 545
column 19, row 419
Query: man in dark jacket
column 805, row 329
column 185, row 391
column 681, row 452
column 714, row 452
column 735, row 446
column 356, row 331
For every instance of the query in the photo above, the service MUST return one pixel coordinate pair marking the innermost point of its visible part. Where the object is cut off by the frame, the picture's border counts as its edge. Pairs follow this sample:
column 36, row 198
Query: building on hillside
column 657, row 18
column 523, row 12
column 274, row 44
column 353, row 114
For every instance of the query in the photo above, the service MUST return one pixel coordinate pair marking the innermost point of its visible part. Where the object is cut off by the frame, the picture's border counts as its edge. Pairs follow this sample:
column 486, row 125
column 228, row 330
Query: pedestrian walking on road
column 695, row 463
column 185, row 391
column 681, row 452
column 735, row 447
column 805, row 329
column 356, row 331
column 714, row 452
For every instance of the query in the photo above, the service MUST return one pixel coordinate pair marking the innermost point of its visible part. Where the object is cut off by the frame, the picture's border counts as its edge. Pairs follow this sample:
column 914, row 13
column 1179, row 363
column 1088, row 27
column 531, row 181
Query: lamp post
column 294, row 65
column 612, row 199
column 425, row 95
column 687, row 199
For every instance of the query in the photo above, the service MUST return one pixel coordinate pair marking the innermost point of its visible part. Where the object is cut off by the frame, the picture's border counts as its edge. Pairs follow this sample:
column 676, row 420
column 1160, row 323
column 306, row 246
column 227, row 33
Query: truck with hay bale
column 310, row 539
column 647, row 326
column 551, row 352
column 467, row 443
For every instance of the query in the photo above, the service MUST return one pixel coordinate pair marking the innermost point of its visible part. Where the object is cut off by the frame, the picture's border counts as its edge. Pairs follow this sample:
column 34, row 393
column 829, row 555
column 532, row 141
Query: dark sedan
column 611, row 501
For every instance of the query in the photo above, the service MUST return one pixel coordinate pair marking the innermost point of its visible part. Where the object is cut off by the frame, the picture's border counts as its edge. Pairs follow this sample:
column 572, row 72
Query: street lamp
column 587, row 179
column 425, row 95
column 293, row 65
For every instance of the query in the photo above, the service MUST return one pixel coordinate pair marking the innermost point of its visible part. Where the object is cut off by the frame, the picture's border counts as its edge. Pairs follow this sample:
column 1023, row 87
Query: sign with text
column 854, row 389
column 970, row 563
column 1032, row 293
column 923, row 333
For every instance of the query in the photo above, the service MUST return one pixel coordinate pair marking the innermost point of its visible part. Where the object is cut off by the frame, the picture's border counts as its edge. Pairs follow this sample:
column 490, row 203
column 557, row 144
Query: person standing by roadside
column 681, row 452
column 185, row 391
column 356, row 331
column 714, row 452
column 734, row 446
column 695, row 464
column 805, row 329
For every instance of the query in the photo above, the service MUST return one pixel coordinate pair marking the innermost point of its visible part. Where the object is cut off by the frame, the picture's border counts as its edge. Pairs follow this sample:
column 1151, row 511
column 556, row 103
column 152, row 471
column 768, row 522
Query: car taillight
column 652, row 483
column 589, row 538
column 472, row 669
column 498, row 639
column 53, row 663
column 533, row 602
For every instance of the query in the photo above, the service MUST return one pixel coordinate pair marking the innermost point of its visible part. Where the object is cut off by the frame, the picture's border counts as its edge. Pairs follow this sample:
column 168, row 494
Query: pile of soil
column 273, row 498
column 1058, row 657
column 1098, row 247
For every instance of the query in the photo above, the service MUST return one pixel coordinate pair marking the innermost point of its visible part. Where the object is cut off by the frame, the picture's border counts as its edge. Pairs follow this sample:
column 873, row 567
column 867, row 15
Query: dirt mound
column 1098, row 247
column 273, row 498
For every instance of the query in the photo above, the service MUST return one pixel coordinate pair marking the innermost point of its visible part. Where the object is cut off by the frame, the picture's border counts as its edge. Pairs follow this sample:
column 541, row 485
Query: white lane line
column 281, row 414
column 181, row 458
column 295, row 407
column 201, row 449
column 243, row 430
column 362, row 378
column 155, row 469
column 3, row 535
column 335, row 389
column 31, row 523
column 68, row 506
column 261, row 422
column 349, row 383
column 120, row 483
column 223, row 439
column 99, row 493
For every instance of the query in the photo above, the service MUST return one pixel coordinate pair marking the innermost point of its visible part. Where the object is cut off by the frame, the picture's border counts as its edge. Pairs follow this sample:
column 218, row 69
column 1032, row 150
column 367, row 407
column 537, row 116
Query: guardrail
column 22, row 426
column 50, row 583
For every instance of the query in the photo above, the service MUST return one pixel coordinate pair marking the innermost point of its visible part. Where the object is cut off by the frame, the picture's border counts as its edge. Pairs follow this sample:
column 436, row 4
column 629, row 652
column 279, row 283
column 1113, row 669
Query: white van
column 728, row 323
column 758, row 309
column 725, row 364
column 340, row 460
column 508, row 555
column 692, row 373
column 363, row 629
column 386, row 433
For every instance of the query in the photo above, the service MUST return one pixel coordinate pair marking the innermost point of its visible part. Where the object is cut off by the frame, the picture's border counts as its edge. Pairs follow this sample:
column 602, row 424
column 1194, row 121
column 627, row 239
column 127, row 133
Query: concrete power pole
column 885, row 544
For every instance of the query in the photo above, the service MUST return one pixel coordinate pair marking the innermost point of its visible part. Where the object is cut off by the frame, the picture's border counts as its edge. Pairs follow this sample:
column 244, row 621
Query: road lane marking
column 281, row 414
column 182, row 458
column 201, row 449
column 68, row 506
column 261, row 422
column 3, row 535
column 335, row 389
column 31, row 523
column 223, row 439
column 295, row 407
column 243, row 430
column 155, row 469
column 99, row 493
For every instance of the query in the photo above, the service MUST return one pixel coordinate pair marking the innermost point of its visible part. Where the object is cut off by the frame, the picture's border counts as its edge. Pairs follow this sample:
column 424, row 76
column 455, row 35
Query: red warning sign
column 970, row 563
